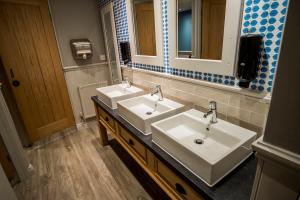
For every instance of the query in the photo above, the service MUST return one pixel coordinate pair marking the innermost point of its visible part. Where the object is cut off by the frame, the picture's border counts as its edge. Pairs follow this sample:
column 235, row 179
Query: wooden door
column 145, row 25
column 213, row 19
column 30, row 57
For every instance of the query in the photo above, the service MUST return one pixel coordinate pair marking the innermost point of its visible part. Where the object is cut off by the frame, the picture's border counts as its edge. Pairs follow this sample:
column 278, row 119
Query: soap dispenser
column 249, row 58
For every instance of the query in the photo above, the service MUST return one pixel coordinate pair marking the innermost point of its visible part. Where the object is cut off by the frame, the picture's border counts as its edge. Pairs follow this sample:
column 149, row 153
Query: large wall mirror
column 203, row 34
column 145, row 31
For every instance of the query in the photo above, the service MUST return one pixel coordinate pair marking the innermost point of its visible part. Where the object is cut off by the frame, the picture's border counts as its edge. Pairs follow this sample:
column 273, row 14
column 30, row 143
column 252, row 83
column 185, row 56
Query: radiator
column 85, row 93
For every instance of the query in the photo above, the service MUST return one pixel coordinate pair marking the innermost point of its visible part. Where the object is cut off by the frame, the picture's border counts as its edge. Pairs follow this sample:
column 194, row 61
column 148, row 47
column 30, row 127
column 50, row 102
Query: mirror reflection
column 200, row 28
column 143, row 12
column 111, row 48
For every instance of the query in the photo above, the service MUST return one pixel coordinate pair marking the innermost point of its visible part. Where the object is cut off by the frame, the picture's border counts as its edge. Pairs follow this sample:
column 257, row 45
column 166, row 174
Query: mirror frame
column 157, row 60
column 109, row 9
column 225, row 66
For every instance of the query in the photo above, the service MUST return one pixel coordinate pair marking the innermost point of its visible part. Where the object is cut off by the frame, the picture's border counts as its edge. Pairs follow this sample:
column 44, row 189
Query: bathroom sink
column 110, row 95
column 210, row 152
column 143, row 110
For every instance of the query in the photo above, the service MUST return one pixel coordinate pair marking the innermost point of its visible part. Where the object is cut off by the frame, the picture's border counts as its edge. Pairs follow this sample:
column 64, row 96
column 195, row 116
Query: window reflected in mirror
column 143, row 12
column 200, row 28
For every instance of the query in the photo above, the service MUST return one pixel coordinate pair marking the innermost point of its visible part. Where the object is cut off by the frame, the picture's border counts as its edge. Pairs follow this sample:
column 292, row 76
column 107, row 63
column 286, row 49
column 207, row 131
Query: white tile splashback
column 231, row 105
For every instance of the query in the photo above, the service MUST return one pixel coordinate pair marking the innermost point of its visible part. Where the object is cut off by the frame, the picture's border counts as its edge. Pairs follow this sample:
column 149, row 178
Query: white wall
column 282, row 128
column 75, row 19
column 6, row 191
column 12, row 142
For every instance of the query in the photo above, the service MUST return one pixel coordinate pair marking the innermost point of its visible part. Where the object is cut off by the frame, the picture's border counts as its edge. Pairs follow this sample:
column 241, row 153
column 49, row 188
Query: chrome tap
column 158, row 91
column 212, row 110
column 127, row 82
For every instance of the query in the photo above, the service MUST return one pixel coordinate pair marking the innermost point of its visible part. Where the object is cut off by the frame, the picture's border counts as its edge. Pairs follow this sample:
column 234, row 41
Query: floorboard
column 76, row 166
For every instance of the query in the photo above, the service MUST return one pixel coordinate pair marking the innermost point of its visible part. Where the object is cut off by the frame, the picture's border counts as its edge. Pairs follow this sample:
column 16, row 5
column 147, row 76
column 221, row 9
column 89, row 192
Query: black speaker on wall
column 125, row 52
column 249, row 58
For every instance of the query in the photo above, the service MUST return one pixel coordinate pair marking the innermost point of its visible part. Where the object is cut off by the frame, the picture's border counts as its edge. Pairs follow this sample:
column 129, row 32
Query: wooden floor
column 76, row 166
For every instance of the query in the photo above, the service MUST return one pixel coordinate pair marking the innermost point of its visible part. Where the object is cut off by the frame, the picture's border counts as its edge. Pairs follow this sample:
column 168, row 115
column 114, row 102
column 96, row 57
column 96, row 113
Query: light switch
column 102, row 57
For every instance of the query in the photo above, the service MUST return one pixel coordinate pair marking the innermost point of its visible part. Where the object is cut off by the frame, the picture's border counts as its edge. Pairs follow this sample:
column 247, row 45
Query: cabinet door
column 133, row 143
column 176, row 183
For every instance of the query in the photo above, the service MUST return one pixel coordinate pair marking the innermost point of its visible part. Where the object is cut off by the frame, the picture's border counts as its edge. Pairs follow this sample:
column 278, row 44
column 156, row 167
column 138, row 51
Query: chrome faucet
column 158, row 91
column 212, row 110
column 127, row 82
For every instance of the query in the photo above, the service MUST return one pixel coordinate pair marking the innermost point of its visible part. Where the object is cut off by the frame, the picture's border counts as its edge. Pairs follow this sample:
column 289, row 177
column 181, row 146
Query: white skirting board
column 85, row 93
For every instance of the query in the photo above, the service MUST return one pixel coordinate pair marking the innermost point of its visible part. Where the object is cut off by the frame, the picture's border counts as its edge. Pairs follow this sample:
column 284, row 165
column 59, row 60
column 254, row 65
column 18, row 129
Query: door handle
column 130, row 142
column 180, row 189
column 15, row 83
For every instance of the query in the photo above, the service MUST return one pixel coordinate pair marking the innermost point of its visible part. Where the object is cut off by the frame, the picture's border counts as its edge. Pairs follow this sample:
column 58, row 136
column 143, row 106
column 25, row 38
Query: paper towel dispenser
column 125, row 52
column 81, row 49
column 249, row 58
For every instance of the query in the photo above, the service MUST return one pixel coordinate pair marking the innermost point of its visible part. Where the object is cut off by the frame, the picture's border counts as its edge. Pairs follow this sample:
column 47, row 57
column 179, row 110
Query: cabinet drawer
column 178, row 185
column 107, row 118
column 133, row 143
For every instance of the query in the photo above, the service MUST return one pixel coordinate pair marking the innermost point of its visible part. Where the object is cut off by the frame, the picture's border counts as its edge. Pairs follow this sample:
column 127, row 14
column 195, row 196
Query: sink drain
column 149, row 113
column 199, row 141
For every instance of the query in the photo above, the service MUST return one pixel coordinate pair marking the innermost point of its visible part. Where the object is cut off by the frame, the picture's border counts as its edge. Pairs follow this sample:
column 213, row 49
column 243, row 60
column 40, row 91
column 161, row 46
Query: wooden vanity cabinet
column 172, row 184
column 170, row 180
column 133, row 144
column 107, row 120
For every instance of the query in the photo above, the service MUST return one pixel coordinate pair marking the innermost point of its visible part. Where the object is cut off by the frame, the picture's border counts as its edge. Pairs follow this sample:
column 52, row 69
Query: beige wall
column 241, row 109
column 76, row 78
column 282, row 128
column 6, row 190
column 75, row 19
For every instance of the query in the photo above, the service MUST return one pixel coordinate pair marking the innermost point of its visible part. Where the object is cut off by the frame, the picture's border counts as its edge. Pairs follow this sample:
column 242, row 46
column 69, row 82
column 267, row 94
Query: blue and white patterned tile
column 278, row 14
column 255, row 22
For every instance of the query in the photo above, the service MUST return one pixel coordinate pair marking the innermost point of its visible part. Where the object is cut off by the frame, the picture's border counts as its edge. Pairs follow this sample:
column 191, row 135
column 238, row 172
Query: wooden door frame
column 12, row 142
column 6, row 190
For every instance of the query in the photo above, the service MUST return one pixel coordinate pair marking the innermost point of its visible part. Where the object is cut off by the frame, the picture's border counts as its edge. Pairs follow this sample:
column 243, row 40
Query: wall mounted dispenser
column 125, row 52
column 249, row 58
column 81, row 49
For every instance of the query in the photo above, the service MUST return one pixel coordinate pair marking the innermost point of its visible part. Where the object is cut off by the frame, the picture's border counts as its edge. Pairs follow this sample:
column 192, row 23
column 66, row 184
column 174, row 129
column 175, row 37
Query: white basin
column 110, row 95
column 224, row 146
column 143, row 110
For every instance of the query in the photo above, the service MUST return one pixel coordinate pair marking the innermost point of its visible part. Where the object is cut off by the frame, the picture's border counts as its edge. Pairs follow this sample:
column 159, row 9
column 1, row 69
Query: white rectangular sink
column 224, row 145
column 142, row 111
column 110, row 95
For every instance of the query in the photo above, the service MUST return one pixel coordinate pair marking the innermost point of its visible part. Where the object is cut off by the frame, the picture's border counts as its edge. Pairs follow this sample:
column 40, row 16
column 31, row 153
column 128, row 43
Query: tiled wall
column 264, row 17
column 243, row 110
